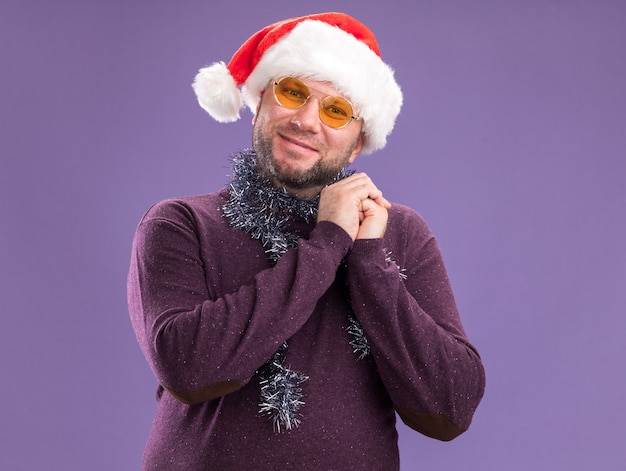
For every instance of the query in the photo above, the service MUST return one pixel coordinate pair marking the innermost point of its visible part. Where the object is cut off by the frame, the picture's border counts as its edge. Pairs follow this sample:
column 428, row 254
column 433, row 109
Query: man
column 289, row 317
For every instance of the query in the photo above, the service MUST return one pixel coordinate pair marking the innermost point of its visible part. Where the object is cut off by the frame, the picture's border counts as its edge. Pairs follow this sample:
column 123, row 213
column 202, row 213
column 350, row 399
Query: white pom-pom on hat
column 218, row 93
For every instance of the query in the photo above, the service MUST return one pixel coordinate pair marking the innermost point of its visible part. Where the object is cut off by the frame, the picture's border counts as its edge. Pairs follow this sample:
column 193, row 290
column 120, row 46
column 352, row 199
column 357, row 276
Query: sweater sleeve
column 199, row 346
column 406, row 307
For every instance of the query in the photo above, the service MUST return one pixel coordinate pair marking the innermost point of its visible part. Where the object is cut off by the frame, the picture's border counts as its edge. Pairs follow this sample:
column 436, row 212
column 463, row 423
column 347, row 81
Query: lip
column 297, row 142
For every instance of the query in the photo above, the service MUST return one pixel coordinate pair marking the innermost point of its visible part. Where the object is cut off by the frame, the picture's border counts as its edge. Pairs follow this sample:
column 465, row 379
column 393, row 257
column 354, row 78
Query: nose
column 307, row 117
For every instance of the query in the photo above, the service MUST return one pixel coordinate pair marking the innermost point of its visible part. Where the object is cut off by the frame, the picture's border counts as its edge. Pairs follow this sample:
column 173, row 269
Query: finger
column 365, row 188
column 374, row 193
column 382, row 201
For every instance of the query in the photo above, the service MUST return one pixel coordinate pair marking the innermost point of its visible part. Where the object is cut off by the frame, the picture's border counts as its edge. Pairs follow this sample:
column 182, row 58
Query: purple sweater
column 209, row 309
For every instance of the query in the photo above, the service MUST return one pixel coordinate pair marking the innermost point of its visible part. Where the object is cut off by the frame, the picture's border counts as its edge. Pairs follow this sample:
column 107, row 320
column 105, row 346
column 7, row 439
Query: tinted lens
column 335, row 111
column 291, row 92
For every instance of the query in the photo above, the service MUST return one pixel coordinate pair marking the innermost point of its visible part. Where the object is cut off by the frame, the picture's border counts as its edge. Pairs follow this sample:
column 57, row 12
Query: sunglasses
column 292, row 93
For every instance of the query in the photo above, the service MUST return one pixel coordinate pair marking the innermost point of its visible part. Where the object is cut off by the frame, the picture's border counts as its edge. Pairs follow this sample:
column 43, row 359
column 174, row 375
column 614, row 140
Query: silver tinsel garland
column 263, row 211
column 281, row 395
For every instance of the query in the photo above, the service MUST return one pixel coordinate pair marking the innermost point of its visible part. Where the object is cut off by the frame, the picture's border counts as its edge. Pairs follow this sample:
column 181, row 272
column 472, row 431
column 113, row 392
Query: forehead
column 327, row 88
column 320, row 88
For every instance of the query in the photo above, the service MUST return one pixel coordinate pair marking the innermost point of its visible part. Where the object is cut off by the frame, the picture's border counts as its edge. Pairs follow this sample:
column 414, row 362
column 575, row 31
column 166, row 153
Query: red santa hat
column 326, row 47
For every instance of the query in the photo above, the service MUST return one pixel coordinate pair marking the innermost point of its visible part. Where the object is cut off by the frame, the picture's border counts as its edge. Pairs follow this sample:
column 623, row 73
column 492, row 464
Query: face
column 295, row 150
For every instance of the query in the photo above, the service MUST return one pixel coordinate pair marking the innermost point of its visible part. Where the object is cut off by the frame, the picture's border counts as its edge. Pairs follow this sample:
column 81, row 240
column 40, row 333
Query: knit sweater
column 209, row 308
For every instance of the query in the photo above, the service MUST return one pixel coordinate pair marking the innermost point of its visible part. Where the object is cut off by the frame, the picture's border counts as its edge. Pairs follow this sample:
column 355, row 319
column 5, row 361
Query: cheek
column 261, row 124
column 345, row 141
column 260, row 119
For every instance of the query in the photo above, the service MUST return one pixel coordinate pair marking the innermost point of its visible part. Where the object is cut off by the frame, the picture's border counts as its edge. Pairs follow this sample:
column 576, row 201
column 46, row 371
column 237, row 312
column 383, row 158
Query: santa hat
column 326, row 47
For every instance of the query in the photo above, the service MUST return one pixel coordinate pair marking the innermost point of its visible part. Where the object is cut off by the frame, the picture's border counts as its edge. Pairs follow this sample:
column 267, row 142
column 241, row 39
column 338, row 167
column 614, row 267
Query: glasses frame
column 275, row 83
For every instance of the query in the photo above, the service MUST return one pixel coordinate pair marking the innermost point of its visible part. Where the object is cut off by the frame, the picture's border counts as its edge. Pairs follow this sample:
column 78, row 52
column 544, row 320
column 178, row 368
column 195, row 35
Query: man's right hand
column 356, row 205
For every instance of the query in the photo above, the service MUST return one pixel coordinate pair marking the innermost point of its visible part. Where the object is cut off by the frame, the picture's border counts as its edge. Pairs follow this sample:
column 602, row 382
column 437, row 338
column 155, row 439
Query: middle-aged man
column 290, row 316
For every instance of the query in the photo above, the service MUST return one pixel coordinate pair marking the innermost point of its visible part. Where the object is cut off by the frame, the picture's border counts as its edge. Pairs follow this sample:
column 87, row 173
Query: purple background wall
column 512, row 144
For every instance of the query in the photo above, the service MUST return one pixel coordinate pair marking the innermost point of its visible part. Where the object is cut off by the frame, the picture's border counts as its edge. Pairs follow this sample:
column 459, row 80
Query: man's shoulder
column 399, row 211
column 186, row 208
column 403, row 219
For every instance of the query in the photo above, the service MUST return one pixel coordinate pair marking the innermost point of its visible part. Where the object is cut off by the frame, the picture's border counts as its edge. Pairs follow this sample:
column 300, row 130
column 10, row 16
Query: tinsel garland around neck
column 262, row 210
column 257, row 207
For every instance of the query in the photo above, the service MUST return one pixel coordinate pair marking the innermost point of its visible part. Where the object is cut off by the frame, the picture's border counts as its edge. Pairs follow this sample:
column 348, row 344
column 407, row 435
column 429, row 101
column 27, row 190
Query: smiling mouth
column 297, row 142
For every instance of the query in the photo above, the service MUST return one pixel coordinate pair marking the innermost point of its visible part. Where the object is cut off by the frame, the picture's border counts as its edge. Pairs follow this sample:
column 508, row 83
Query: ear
column 357, row 148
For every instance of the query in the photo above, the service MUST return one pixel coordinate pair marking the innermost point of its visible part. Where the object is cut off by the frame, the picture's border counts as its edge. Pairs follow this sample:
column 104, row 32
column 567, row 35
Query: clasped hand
column 356, row 205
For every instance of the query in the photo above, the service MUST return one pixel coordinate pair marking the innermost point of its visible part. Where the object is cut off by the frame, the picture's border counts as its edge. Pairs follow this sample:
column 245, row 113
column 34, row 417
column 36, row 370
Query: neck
column 299, row 193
